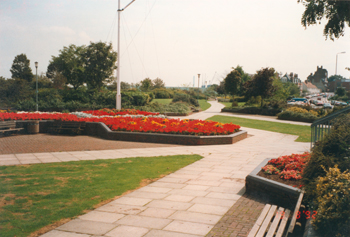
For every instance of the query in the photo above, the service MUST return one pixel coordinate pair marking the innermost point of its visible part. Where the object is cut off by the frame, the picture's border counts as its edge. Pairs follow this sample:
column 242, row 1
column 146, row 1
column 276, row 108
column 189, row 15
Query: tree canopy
column 337, row 14
column 158, row 83
column 146, row 84
column 21, row 68
column 233, row 82
column 261, row 84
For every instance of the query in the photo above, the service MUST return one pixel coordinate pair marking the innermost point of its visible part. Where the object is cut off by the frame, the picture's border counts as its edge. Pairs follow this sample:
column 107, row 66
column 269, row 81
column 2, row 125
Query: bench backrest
column 7, row 124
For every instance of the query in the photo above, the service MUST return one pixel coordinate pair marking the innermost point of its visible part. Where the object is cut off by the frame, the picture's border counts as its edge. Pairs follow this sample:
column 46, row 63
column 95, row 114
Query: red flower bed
column 288, row 167
column 114, row 112
column 145, row 124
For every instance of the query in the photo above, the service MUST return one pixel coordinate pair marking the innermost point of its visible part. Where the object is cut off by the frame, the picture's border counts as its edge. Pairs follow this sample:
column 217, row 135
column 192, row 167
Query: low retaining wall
column 278, row 192
column 101, row 130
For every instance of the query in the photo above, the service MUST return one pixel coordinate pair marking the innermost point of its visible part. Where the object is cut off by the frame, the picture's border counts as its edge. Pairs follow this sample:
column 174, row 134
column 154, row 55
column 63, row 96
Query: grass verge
column 204, row 105
column 229, row 104
column 34, row 196
column 303, row 131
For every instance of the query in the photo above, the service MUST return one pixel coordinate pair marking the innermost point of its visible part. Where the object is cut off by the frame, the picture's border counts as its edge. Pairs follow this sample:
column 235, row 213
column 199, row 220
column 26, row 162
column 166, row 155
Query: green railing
column 321, row 127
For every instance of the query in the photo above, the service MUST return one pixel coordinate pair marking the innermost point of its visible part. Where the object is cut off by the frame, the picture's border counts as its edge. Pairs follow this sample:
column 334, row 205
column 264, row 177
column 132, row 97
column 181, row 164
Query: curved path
column 186, row 203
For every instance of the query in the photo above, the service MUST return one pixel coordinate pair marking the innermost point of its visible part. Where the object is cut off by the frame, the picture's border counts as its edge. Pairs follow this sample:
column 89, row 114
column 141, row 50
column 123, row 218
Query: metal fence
column 321, row 127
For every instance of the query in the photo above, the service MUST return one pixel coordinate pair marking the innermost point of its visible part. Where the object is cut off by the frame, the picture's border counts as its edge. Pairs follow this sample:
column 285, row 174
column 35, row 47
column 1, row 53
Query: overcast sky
column 174, row 40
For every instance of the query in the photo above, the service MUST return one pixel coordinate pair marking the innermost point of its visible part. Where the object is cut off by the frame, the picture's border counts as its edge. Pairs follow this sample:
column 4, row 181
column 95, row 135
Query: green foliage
column 333, row 203
column 99, row 63
column 21, row 68
column 178, row 107
column 162, row 93
column 335, row 78
column 158, row 83
column 80, row 94
column 341, row 91
column 232, row 82
column 333, row 150
column 146, row 84
column 337, row 14
column 295, row 116
column 134, row 99
column 254, row 100
column 186, row 99
column 261, row 84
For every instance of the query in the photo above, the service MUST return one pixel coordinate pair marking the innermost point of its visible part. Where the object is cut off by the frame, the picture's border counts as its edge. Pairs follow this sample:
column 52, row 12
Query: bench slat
column 267, row 221
column 294, row 218
column 283, row 224
column 275, row 222
column 260, row 220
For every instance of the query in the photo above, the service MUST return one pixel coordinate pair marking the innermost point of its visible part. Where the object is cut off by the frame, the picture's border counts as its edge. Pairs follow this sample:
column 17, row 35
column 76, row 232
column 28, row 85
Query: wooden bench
column 68, row 126
column 8, row 127
column 273, row 221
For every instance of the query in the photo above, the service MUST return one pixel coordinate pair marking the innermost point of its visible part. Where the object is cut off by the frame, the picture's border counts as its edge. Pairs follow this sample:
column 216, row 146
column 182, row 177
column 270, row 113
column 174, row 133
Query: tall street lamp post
column 198, row 88
column 336, row 62
column 36, row 69
column 118, row 97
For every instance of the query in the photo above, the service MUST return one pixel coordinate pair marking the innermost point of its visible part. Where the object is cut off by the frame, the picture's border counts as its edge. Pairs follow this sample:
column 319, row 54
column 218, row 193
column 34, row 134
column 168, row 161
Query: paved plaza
column 204, row 198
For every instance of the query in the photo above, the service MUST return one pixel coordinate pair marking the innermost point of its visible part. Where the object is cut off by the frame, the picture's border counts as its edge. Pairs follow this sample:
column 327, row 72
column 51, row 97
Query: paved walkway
column 190, row 202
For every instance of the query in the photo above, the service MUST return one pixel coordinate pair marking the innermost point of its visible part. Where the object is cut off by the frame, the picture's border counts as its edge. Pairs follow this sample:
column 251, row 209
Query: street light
column 119, row 97
column 198, row 87
column 36, row 69
column 336, row 62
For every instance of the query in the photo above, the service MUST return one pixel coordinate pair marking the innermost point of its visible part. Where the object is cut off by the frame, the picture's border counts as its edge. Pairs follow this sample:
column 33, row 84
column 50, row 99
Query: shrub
column 234, row 104
column 333, row 203
column 162, row 108
column 162, row 93
column 254, row 100
column 134, row 99
column 295, row 116
column 302, row 110
column 25, row 105
column 186, row 99
column 333, row 150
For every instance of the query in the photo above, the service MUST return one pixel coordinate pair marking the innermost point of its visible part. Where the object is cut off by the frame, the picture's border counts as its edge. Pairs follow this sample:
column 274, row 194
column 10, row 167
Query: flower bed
column 286, row 169
column 139, row 124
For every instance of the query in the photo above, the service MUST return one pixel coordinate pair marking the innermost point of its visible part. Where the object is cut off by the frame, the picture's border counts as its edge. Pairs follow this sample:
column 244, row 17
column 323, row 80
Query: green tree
column 337, row 14
column 340, row 91
column 21, row 68
column 335, row 78
column 146, row 84
column 99, row 63
column 158, row 83
column 261, row 84
column 70, row 64
column 124, row 86
column 232, row 82
column 245, row 77
column 221, row 89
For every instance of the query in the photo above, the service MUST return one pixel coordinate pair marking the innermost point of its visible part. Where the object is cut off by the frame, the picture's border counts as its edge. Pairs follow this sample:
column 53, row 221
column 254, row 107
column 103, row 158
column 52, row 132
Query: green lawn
column 204, row 104
column 229, row 104
column 304, row 132
column 33, row 196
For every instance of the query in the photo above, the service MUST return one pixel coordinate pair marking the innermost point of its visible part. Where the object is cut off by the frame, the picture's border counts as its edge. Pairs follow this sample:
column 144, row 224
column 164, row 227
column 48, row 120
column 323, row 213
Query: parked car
column 319, row 103
column 327, row 106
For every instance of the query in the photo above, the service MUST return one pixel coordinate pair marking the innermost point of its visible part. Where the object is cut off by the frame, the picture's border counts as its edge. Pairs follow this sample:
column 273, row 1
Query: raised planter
column 278, row 192
column 101, row 130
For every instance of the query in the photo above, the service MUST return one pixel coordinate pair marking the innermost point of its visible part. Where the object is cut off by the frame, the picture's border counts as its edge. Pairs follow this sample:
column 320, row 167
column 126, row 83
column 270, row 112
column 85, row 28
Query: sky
column 174, row 40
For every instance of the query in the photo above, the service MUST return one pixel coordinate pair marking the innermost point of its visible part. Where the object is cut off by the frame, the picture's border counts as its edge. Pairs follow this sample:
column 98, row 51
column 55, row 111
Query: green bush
column 295, row 116
column 162, row 93
column 25, row 105
column 333, row 203
column 254, row 100
column 333, row 150
column 162, row 108
column 81, row 94
column 186, row 99
column 253, row 110
column 134, row 99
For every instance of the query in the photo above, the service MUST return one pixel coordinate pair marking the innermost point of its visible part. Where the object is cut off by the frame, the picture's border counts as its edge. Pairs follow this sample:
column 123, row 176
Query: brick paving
column 239, row 220
column 55, row 143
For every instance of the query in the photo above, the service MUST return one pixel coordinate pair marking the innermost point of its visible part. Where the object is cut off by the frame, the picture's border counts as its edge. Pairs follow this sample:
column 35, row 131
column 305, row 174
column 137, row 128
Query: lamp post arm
column 126, row 6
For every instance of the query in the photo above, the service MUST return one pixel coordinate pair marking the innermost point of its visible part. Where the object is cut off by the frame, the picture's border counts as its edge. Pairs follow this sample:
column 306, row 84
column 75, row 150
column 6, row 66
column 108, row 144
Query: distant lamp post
column 36, row 69
column 198, row 88
column 336, row 62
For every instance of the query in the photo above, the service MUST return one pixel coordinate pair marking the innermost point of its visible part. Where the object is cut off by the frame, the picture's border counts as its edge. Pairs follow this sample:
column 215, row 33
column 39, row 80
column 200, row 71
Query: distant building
column 333, row 85
column 319, row 78
column 293, row 78
column 309, row 87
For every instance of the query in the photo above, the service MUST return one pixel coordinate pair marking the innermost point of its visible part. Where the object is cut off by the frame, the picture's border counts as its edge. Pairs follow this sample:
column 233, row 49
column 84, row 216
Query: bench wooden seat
column 273, row 222
column 8, row 127
column 68, row 126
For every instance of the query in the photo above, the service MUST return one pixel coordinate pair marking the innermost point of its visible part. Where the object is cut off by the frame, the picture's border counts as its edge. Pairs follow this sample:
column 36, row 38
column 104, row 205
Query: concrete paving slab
column 127, row 231
column 157, row 212
column 155, row 189
column 100, row 216
column 133, row 201
column 87, row 227
column 121, row 208
column 148, row 195
column 169, row 205
column 195, row 217
column 189, row 227
column 163, row 233
column 144, row 221
column 179, row 198
column 209, row 209
column 213, row 201
column 57, row 233
column 166, row 185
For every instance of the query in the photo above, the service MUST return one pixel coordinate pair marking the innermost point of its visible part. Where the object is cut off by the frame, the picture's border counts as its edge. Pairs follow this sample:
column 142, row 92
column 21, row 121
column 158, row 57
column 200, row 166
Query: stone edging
column 101, row 130
column 278, row 191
